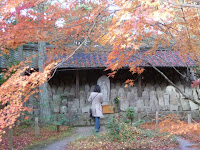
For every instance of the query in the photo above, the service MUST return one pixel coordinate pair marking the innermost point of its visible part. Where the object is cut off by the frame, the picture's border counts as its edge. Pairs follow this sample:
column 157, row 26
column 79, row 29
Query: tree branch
column 182, row 5
column 90, row 31
column 186, row 96
column 173, row 68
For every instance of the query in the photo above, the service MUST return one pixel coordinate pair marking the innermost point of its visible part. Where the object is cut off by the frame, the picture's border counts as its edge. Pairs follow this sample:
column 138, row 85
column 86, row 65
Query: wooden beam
column 77, row 85
column 139, row 86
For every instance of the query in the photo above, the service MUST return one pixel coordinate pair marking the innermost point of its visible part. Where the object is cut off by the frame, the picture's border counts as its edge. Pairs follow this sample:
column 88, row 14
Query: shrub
column 139, row 122
column 62, row 120
column 52, row 128
column 116, row 100
column 113, row 127
column 119, row 129
column 130, row 114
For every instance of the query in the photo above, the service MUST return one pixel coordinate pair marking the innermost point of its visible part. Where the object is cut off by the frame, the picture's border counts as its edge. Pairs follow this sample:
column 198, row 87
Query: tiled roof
column 163, row 58
column 98, row 59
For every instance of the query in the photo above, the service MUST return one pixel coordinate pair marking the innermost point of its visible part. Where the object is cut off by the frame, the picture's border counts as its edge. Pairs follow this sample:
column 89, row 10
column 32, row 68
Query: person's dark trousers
column 97, row 124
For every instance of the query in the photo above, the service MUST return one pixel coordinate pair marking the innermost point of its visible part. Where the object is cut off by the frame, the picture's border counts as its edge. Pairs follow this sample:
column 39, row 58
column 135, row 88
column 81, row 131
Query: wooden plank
column 77, row 86
column 139, row 86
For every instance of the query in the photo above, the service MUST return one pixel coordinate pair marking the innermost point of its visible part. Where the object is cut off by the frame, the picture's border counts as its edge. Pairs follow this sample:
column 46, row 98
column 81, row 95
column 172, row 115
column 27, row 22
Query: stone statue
column 104, row 90
column 104, row 83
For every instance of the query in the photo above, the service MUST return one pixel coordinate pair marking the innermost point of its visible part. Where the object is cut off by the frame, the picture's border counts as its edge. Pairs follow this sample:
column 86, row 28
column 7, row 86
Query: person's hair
column 97, row 89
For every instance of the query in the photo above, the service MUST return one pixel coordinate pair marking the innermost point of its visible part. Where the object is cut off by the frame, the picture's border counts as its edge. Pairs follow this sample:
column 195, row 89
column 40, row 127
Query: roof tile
column 160, row 59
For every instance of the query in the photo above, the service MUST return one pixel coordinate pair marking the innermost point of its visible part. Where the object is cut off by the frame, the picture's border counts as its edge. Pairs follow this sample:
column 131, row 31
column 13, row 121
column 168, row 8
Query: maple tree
column 124, row 25
column 27, row 21
column 138, row 23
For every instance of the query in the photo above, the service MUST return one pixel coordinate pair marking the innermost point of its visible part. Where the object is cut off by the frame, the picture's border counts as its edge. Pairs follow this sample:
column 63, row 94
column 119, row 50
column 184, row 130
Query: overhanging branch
column 182, row 5
column 85, row 40
column 186, row 96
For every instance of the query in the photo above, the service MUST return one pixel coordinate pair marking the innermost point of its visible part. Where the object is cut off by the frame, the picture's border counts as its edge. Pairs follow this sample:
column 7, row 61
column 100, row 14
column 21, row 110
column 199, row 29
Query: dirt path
column 185, row 145
column 78, row 132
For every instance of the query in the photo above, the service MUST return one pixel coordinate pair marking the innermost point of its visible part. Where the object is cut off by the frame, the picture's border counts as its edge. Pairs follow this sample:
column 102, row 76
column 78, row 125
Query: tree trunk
column 44, row 93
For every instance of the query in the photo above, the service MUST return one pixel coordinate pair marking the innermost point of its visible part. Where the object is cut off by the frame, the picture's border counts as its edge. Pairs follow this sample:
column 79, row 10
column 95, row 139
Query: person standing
column 96, row 97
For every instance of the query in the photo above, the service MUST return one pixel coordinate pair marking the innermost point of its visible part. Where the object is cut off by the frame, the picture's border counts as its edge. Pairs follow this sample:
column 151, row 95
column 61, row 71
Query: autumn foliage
column 123, row 26
column 156, row 24
column 26, row 21
column 121, row 135
column 173, row 125
column 24, row 137
column 16, row 91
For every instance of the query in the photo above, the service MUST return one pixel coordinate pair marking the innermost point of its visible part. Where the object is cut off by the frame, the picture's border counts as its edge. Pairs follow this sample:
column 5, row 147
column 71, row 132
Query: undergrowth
column 121, row 135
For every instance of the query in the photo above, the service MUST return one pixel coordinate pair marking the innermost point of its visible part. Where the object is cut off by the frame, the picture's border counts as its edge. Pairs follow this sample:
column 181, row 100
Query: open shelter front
column 68, row 90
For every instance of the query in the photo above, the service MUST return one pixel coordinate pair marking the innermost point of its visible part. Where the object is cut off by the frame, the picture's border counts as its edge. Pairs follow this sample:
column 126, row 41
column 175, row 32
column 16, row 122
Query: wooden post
column 189, row 119
column 77, row 86
column 10, row 138
column 157, row 118
column 139, row 86
column 36, row 127
column 57, row 119
column 139, row 115
column 70, row 117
